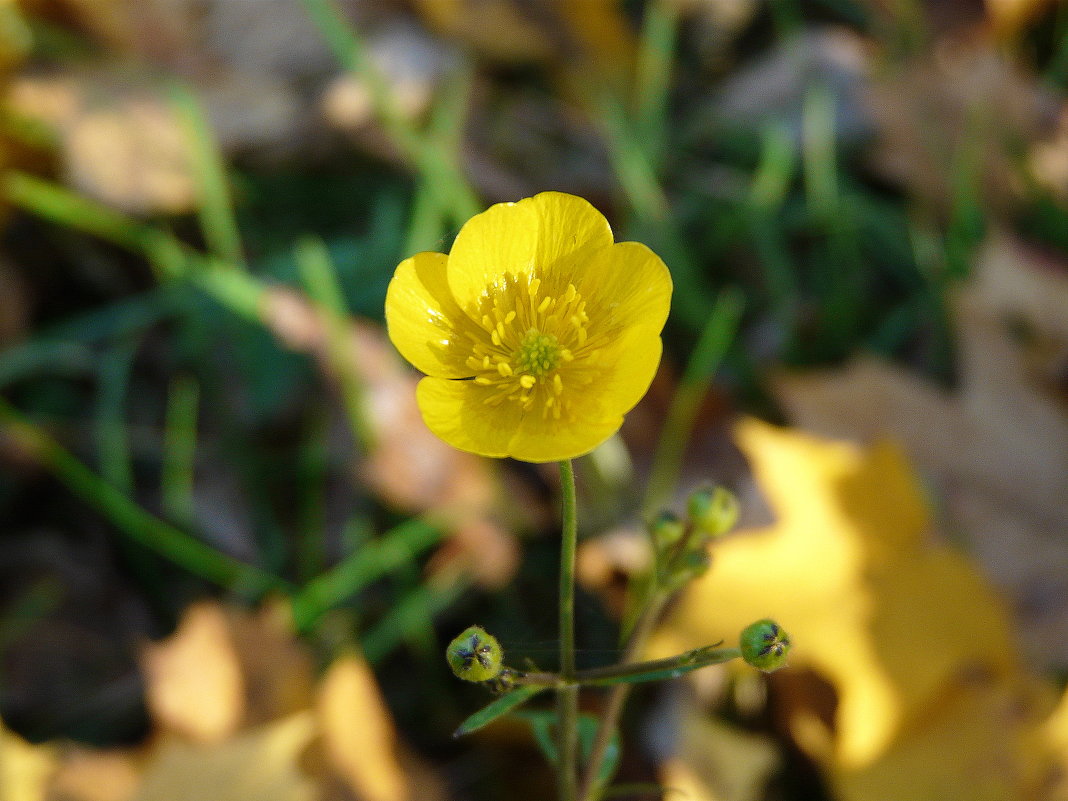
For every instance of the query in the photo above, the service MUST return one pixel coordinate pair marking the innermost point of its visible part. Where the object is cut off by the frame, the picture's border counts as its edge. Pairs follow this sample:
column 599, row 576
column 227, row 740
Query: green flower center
column 538, row 353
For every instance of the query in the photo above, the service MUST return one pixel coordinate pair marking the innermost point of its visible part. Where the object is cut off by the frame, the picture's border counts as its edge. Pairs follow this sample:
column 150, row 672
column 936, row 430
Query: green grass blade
column 214, row 205
column 113, row 445
column 350, row 50
column 320, row 280
column 410, row 618
column 179, row 448
column 708, row 353
column 137, row 524
column 371, row 562
column 656, row 54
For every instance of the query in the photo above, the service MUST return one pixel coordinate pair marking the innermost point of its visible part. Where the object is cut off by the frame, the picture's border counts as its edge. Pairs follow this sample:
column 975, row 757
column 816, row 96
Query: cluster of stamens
column 526, row 340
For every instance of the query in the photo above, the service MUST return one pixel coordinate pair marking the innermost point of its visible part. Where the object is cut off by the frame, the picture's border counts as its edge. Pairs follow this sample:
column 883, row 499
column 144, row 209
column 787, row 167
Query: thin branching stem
column 567, row 695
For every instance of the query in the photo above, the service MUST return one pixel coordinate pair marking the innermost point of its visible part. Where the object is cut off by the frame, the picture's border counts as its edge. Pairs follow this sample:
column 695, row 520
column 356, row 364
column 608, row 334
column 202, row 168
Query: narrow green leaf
column 542, row 723
column 140, row 526
column 708, row 353
column 657, row 670
column 214, row 207
column 371, row 562
column 320, row 279
column 502, row 706
column 179, row 448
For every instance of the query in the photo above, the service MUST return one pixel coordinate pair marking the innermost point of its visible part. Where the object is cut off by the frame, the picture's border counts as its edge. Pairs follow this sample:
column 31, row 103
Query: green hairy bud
column 667, row 529
column 714, row 510
column 475, row 655
column 765, row 645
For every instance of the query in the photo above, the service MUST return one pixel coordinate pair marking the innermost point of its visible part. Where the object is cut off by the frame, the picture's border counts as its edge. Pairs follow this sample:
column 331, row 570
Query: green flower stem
column 567, row 692
column 631, row 672
column 617, row 697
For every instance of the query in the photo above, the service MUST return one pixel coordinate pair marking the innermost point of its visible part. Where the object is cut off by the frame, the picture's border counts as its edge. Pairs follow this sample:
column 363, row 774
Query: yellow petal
column 546, row 235
column 570, row 230
column 423, row 319
column 595, row 413
column 630, row 365
column 626, row 286
column 545, row 439
column 456, row 412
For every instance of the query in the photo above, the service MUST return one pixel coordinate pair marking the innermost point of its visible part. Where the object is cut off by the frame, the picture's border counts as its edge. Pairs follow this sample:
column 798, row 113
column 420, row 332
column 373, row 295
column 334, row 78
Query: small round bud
column 714, row 510
column 765, row 645
column 475, row 655
column 667, row 530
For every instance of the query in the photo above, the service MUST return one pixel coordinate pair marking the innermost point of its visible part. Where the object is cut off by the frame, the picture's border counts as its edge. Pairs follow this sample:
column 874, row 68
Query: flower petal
column 630, row 366
column 626, row 286
column 546, row 235
column 544, row 439
column 423, row 319
column 456, row 412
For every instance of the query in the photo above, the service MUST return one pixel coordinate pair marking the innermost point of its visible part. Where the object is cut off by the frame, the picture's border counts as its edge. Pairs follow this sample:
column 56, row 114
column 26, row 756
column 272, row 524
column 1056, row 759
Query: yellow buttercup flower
column 537, row 332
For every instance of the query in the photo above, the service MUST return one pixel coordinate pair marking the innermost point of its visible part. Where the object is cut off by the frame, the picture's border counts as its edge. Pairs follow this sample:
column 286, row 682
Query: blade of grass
column 25, row 360
column 166, row 254
column 411, row 618
column 179, row 448
column 708, row 353
column 350, row 50
column 441, row 171
column 656, row 54
column 238, row 291
column 319, row 276
column 426, row 221
column 371, row 562
column 214, row 205
column 771, row 182
column 632, row 165
column 136, row 523
column 839, row 270
column 312, row 469
column 112, row 443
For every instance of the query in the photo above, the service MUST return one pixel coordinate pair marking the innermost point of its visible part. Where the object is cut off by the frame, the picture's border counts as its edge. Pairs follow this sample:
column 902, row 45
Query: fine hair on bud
column 713, row 510
column 765, row 645
column 475, row 655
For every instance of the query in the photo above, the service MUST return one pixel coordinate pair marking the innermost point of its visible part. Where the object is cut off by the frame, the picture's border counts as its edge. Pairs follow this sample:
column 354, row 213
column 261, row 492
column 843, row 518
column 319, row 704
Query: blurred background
column 231, row 554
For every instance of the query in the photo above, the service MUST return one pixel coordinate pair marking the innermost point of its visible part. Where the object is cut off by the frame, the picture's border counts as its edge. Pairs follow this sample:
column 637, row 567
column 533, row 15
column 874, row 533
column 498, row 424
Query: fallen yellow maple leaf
column 24, row 767
column 899, row 625
column 257, row 765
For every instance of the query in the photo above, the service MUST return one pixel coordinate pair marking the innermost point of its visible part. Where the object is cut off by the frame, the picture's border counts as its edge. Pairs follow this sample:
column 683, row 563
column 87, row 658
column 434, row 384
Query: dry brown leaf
column 257, row 765
column 121, row 143
column 966, row 103
column 572, row 37
column 410, row 61
column 358, row 733
column 1048, row 160
column 194, row 685
column 731, row 764
column 88, row 775
column 997, row 449
column 1009, row 18
column 408, row 466
column 277, row 668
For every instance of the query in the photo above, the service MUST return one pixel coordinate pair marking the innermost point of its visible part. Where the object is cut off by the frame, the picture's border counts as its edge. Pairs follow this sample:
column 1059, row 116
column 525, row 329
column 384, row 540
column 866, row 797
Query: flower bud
column 475, row 655
column 690, row 565
column 667, row 530
column 714, row 510
column 765, row 645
